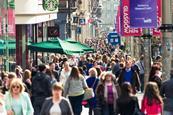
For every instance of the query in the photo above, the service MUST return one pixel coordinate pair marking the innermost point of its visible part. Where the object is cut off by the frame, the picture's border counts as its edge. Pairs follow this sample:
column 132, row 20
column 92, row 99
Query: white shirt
column 55, row 109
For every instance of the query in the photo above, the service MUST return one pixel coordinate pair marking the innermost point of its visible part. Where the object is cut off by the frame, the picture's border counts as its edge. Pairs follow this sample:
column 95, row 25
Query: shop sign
column 50, row 5
column 53, row 31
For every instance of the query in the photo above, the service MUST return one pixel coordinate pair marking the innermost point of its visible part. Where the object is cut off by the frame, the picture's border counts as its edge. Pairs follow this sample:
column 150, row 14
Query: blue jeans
column 76, row 103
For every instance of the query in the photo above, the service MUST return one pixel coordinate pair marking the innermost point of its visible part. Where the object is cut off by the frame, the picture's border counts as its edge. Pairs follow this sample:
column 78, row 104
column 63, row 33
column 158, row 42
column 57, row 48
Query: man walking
column 41, row 88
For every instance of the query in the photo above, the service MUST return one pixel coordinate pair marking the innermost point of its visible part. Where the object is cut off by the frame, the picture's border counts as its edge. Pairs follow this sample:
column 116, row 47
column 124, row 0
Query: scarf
column 115, row 94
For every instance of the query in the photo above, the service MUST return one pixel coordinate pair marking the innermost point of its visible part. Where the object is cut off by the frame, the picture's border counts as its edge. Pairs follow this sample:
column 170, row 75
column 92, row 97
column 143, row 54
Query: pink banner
column 125, row 21
column 11, row 22
column 156, row 31
column 0, row 26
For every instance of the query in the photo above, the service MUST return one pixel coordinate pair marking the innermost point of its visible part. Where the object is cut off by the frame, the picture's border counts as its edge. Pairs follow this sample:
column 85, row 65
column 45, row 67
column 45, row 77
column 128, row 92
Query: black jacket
column 166, row 93
column 41, row 87
column 64, row 107
column 126, row 105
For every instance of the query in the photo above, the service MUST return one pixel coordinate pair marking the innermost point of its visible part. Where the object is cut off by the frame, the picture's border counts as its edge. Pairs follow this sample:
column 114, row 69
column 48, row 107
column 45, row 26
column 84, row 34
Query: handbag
column 89, row 93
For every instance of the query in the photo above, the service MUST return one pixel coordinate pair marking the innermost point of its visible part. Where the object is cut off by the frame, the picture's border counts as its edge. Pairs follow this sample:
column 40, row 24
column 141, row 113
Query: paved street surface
column 139, row 95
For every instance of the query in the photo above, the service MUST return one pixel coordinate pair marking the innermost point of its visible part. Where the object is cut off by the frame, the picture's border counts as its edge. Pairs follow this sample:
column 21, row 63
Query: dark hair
column 126, row 89
column 75, row 72
column 99, row 71
column 41, row 67
column 81, row 70
column 154, row 68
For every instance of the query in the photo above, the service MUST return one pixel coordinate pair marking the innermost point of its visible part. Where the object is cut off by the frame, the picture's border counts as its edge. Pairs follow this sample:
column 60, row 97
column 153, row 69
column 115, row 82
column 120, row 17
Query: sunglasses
column 16, row 86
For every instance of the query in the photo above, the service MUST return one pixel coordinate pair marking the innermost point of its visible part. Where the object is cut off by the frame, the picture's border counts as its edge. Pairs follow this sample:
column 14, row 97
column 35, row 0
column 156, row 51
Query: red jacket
column 154, row 109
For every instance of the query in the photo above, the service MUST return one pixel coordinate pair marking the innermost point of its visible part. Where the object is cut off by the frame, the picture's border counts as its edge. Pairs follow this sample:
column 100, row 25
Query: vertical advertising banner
column 143, row 13
column 0, row 26
column 156, row 31
column 11, row 22
column 125, row 21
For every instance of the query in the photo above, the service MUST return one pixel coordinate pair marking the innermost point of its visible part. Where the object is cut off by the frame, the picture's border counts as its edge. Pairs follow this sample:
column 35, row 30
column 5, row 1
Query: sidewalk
column 139, row 95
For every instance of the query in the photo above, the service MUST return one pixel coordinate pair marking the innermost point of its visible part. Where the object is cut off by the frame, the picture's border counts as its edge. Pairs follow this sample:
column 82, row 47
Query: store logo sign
column 50, row 5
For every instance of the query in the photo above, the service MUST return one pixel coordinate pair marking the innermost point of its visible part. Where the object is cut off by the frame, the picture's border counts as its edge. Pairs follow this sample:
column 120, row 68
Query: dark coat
column 41, row 88
column 166, row 93
column 135, row 79
column 126, row 105
column 64, row 107
column 92, row 82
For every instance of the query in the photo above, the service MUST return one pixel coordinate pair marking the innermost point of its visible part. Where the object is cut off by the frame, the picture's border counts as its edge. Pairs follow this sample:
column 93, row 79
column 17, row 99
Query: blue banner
column 113, row 38
column 143, row 13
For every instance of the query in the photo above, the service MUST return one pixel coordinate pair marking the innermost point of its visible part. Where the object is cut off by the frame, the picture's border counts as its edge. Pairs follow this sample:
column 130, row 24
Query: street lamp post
column 4, row 5
column 69, row 18
column 147, row 54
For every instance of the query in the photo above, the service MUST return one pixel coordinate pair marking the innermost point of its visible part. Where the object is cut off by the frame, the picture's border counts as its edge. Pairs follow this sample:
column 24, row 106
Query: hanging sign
column 11, row 22
column 143, row 13
column 126, row 30
column 50, row 5
column 0, row 25
column 82, row 21
column 156, row 31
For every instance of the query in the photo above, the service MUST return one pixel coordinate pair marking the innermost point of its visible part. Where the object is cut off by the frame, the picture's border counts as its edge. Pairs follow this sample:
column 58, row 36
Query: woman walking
column 106, row 95
column 152, row 103
column 74, row 88
column 127, row 102
column 56, row 105
column 17, row 102
column 92, row 82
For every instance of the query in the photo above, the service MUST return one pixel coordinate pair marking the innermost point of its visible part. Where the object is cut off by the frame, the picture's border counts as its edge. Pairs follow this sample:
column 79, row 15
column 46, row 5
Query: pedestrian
column 56, row 105
column 140, row 65
column 106, row 95
column 2, row 105
column 156, row 75
column 127, row 102
column 54, row 72
column 152, row 103
column 92, row 82
column 74, row 88
column 6, row 86
column 166, row 93
column 65, row 72
column 40, row 89
column 128, row 74
column 27, row 80
column 17, row 102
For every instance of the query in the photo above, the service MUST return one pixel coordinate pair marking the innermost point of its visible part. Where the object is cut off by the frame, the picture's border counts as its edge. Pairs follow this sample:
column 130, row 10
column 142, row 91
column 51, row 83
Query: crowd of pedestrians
column 59, row 87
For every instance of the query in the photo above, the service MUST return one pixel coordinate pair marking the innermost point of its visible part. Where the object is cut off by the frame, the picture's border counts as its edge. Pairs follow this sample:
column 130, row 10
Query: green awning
column 46, row 46
column 79, row 45
column 10, row 46
column 55, row 46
